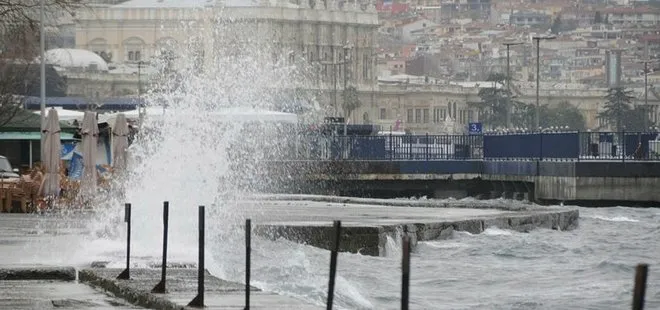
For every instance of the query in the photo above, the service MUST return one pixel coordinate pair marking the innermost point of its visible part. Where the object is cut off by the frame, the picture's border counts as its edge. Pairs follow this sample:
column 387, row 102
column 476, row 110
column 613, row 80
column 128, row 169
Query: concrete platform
column 366, row 227
column 182, row 288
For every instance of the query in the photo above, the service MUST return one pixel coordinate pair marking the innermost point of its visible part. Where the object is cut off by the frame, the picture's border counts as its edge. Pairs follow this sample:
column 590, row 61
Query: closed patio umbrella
column 119, row 142
column 52, row 150
column 89, row 133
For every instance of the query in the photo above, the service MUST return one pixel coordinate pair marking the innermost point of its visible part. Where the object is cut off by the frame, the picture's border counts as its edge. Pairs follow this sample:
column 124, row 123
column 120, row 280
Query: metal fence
column 390, row 147
column 549, row 146
column 572, row 146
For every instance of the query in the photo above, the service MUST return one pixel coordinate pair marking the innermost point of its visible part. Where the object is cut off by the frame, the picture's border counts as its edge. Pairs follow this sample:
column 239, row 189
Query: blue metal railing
column 548, row 146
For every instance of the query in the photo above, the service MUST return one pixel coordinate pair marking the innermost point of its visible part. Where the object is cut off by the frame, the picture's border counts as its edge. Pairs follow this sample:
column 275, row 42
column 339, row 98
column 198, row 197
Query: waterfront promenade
column 47, row 253
column 588, row 168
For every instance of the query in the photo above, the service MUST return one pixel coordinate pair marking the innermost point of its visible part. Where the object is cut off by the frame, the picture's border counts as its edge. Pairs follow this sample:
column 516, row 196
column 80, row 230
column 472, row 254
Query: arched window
column 133, row 49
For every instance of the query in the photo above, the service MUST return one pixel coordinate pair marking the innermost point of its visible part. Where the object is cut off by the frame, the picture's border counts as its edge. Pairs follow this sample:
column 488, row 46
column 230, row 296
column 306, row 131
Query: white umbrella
column 90, row 133
column 119, row 142
column 51, row 161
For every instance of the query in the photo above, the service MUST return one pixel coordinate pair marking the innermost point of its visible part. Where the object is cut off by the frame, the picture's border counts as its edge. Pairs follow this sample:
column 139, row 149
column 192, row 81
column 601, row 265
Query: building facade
column 336, row 38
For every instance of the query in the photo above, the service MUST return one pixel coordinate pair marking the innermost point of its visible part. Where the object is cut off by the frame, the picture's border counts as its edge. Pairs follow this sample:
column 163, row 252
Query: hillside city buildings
column 417, row 62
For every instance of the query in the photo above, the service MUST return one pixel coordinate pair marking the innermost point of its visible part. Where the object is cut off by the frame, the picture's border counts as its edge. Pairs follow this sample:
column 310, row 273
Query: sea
column 590, row 267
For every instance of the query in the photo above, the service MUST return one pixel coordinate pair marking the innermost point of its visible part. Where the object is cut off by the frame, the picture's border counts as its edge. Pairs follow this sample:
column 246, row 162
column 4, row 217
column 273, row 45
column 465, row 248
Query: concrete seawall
column 367, row 224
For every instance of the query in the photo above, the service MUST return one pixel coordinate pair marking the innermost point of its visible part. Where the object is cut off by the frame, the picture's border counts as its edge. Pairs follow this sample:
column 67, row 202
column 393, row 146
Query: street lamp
column 508, row 82
column 646, row 91
column 141, row 109
column 42, row 47
column 538, row 66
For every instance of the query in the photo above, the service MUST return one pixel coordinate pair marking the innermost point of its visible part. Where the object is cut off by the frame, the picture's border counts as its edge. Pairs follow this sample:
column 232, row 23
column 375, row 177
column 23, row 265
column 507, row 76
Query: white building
column 137, row 30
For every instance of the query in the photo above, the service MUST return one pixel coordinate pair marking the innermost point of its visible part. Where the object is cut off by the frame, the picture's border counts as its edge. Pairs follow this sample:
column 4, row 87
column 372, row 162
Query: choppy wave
column 614, row 219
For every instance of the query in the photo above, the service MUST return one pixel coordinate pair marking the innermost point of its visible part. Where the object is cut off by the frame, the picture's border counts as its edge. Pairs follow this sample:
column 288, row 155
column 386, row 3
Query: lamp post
column 139, row 91
column 538, row 67
column 42, row 47
column 347, row 60
column 646, row 91
column 508, row 82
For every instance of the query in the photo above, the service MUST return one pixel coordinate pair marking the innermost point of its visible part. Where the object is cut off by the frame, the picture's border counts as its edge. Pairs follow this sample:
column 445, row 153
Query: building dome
column 76, row 59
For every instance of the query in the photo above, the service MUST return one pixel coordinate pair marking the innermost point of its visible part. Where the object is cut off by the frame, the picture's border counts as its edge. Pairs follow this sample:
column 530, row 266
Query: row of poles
column 198, row 301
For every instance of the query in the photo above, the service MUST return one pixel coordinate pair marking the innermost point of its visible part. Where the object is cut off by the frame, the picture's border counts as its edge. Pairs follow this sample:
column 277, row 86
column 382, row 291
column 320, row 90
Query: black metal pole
column 405, row 272
column 640, row 286
column 126, row 274
column 248, row 249
column 333, row 264
column 198, row 301
column 161, row 287
column 538, row 66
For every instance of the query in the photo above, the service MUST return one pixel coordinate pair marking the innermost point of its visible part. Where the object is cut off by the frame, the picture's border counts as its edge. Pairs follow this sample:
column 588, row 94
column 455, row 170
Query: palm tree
column 617, row 107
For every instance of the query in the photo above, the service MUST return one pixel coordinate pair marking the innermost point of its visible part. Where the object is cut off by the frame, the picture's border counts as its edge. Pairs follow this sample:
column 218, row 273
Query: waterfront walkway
column 30, row 241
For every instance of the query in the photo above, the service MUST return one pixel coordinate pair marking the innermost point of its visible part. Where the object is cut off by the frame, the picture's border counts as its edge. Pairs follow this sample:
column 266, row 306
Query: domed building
column 337, row 37
column 76, row 60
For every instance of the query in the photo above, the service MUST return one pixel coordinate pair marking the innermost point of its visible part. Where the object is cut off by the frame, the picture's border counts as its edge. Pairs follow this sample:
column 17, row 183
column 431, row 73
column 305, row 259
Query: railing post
column 623, row 145
column 248, row 250
column 579, row 145
column 333, row 264
column 161, row 287
column 640, row 286
column 405, row 271
column 198, row 301
column 391, row 146
column 540, row 145
column 126, row 274
column 427, row 146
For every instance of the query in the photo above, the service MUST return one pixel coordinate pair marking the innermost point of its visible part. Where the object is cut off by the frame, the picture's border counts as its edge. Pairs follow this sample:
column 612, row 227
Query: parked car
column 6, row 171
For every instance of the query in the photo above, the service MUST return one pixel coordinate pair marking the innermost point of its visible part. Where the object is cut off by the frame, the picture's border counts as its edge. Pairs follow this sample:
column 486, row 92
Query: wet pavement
column 38, row 294
column 182, row 288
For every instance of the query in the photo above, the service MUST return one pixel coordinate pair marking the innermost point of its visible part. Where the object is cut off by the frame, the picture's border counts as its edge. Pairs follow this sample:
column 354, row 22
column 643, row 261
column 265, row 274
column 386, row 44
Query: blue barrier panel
column 512, row 146
column 637, row 144
column 560, row 145
column 363, row 148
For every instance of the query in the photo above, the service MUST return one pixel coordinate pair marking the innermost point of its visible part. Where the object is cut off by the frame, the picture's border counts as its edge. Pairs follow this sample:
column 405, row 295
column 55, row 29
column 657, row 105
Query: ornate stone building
column 336, row 38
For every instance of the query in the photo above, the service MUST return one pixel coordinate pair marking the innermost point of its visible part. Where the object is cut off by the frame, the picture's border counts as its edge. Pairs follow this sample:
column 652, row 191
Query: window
column 410, row 116
column 436, row 115
column 426, row 115
column 131, row 56
column 418, row 115
column 383, row 113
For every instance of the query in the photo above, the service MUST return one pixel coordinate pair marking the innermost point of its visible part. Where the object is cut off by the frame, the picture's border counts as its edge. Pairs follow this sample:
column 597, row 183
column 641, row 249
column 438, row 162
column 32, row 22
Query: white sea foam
column 613, row 218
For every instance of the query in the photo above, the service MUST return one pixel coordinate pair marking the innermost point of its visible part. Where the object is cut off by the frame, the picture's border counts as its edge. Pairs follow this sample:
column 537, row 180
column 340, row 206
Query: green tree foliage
column 556, row 25
column 350, row 101
column 493, row 105
column 598, row 18
column 619, row 113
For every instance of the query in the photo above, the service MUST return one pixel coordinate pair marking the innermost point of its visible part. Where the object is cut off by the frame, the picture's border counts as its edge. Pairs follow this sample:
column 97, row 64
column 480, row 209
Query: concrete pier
column 367, row 223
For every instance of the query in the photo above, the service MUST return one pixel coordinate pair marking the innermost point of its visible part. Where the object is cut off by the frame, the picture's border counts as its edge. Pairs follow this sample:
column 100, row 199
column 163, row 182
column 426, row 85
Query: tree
column 617, row 107
column 556, row 25
column 598, row 18
column 19, row 46
column 350, row 101
column 564, row 114
column 493, row 105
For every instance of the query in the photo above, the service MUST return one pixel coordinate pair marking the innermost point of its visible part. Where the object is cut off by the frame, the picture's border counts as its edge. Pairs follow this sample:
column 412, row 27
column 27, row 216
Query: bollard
column 333, row 264
column 198, row 301
column 640, row 286
column 126, row 274
column 405, row 272
column 161, row 287
column 248, row 249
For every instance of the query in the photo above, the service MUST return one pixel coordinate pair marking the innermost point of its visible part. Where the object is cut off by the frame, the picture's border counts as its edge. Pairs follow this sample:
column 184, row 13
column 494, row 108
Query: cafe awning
column 4, row 136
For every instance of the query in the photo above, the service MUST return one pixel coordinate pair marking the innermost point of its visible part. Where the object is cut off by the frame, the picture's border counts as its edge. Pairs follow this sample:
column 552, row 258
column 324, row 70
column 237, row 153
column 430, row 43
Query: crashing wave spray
column 192, row 154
